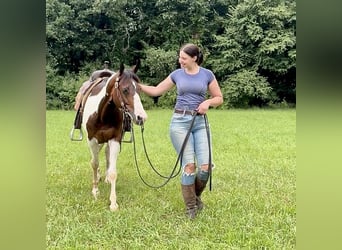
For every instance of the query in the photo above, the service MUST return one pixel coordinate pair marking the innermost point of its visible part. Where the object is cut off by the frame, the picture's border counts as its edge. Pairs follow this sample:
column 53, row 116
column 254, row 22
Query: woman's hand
column 203, row 107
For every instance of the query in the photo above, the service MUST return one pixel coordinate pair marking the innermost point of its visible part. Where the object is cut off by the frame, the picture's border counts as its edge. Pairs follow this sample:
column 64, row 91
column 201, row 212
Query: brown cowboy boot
column 189, row 196
column 199, row 187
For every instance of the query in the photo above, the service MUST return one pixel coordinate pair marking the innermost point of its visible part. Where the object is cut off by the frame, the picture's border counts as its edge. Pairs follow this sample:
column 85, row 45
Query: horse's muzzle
column 139, row 120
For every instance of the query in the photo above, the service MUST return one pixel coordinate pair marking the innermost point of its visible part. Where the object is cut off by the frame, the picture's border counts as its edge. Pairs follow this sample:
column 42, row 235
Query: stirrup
column 130, row 138
column 127, row 127
column 72, row 134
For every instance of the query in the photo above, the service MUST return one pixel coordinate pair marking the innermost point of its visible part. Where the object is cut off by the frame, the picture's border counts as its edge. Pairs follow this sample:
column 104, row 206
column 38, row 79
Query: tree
column 69, row 30
column 246, row 88
column 259, row 36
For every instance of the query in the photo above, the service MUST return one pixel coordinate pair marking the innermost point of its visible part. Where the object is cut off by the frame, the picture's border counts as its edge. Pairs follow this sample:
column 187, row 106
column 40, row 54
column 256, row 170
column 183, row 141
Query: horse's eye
column 125, row 91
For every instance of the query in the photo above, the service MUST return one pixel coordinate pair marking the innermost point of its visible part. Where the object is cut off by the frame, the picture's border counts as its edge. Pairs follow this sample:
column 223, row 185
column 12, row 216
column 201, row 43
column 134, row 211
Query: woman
column 192, row 82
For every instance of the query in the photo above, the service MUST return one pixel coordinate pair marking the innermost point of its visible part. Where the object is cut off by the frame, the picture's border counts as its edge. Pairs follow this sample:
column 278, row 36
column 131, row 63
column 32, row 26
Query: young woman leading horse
column 192, row 82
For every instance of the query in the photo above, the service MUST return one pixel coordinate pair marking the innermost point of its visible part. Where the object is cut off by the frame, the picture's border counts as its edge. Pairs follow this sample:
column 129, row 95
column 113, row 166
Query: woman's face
column 185, row 60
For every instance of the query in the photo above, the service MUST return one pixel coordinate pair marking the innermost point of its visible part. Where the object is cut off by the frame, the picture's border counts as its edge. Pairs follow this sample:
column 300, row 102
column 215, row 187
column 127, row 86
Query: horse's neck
column 107, row 101
column 91, row 101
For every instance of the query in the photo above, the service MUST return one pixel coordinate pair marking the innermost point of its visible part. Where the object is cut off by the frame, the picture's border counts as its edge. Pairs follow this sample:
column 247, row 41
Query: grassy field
column 252, row 204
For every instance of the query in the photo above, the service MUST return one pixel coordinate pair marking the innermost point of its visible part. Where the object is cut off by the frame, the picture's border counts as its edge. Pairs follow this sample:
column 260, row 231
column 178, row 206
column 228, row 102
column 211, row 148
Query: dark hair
column 193, row 50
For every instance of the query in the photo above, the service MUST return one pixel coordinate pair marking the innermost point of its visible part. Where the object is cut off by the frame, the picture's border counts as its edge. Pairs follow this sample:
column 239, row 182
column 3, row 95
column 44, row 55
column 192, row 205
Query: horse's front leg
column 112, row 155
column 95, row 150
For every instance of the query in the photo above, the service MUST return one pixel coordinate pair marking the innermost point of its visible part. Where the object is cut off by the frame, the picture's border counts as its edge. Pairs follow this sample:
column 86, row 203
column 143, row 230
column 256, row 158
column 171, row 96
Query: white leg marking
column 94, row 150
column 114, row 150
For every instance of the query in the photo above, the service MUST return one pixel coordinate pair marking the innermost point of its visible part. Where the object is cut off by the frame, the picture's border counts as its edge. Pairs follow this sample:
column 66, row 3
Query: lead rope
column 179, row 155
column 175, row 166
column 209, row 146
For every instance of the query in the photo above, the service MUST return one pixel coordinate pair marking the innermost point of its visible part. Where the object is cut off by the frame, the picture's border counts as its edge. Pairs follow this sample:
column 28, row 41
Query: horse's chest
column 104, row 131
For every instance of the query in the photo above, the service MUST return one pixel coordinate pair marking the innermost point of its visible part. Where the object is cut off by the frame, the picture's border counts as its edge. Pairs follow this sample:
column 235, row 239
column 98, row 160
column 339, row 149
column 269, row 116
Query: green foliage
column 168, row 100
column 244, row 87
column 61, row 91
column 158, row 63
column 260, row 34
column 186, row 20
column 257, row 35
column 68, row 31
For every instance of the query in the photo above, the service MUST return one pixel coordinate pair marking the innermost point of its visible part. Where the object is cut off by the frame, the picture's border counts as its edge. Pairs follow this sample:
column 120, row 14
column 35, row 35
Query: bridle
column 126, row 115
column 123, row 104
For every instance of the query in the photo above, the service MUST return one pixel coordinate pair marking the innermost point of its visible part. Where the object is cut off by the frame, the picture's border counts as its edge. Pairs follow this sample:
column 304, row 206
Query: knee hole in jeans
column 205, row 167
column 189, row 168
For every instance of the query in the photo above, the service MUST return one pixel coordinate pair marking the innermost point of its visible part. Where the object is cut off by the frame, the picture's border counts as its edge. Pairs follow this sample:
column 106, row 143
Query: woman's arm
column 158, row 90
column 215, row 100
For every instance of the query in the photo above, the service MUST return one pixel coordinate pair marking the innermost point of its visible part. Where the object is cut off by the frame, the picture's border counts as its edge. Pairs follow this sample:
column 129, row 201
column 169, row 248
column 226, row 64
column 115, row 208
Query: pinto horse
column 104, row 116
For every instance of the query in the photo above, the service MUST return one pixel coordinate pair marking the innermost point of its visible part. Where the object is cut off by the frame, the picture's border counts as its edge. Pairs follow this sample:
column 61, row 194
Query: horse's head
column 125, row 94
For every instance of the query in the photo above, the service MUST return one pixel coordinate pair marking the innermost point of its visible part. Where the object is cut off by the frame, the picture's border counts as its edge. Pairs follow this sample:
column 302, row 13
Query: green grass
column 252, row 204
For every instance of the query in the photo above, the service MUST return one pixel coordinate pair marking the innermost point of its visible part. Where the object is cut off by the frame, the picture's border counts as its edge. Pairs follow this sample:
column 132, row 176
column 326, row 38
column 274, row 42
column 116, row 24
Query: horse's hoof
column 114, row 207
column 107, row 180
column 95, row 193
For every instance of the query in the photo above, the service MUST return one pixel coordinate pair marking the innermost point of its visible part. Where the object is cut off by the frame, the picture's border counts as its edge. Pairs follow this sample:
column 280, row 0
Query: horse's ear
column 122, row 68
column 136, row 67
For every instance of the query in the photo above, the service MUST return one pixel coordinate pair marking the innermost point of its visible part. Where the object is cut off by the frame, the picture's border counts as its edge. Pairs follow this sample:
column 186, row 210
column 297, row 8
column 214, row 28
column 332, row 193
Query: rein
column 126, row 116
column 172, row 175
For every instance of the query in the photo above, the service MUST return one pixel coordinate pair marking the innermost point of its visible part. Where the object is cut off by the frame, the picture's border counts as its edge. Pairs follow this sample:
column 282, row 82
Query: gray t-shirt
column 191, row 89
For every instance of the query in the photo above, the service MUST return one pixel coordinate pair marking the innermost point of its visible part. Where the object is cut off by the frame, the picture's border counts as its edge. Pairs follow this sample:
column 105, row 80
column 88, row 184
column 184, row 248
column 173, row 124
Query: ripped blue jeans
column 197, row 147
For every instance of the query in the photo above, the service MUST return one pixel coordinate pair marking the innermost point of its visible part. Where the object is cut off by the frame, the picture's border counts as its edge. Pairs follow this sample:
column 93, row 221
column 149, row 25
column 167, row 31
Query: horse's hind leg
column 95, row 150
column 107, row 159
column 112, row 154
